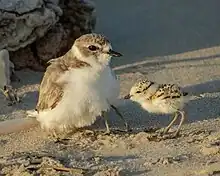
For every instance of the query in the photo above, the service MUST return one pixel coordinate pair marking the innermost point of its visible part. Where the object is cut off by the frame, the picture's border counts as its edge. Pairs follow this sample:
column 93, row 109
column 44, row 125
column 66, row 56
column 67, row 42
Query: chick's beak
column 114, row 53
column 127, row 96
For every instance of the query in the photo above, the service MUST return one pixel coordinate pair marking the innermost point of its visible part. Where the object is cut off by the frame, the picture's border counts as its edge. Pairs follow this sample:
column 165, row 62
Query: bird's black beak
column 114, row 53
column 127, row 96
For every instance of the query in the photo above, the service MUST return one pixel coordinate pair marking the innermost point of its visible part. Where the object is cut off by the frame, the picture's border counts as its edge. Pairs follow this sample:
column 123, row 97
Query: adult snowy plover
column 161, row 99
column 79, row 86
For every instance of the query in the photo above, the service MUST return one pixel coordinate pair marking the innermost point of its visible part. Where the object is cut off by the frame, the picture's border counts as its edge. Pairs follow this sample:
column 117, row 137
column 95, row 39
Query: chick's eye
column 138, row 92
column 92, row 48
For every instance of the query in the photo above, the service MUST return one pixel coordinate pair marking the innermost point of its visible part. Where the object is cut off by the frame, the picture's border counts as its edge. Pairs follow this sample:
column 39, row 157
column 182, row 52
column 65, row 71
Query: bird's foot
column 107, row 132
column 165, row 131
column 58, row 138
column 89, row 132
column 61, row 140
column 173, row 135
column 166, row 135
column 176, row 134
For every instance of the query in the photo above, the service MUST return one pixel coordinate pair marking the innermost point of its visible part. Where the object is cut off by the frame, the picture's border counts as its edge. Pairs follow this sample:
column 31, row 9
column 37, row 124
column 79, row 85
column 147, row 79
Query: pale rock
column 20, row 6
column 6, row 68
column 31, row 28
column 24, row 21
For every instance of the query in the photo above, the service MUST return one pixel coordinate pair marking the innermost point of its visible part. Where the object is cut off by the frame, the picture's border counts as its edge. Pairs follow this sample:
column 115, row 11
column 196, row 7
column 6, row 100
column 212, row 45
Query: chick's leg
column 171, row 123
column 181, row 122
column 104, row 115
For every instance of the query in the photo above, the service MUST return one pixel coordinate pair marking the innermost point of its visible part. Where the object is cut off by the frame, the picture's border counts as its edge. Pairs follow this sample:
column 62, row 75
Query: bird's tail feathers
column 32, row 113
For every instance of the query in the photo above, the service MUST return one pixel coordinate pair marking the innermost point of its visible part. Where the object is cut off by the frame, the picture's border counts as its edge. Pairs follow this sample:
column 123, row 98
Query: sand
column 168, row 41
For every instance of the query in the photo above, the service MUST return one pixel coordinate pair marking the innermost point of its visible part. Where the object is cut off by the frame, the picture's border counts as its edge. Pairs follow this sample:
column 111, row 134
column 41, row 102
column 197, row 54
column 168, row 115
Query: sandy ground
column 175, row 42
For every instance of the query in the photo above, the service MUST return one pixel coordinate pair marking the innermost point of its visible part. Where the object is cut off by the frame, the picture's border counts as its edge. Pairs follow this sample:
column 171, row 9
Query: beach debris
column 115, row 171
column 211, row 144
column 10, row 94
column 169, row 160
column 210, row 170
column 36, row 163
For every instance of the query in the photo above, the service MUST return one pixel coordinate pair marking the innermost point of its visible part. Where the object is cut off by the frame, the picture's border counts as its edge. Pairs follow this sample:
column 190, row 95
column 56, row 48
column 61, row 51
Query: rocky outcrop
column 35, row 31
column 23, row 21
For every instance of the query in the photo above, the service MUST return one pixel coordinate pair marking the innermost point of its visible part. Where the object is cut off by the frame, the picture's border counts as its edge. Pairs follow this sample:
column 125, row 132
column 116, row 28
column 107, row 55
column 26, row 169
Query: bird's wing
column 51, row 91
column 172, row 91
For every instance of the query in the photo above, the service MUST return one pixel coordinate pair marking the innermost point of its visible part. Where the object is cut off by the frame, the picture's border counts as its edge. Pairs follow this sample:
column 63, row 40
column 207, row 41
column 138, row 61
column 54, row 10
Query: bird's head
column 139, row 91
column 94, row 48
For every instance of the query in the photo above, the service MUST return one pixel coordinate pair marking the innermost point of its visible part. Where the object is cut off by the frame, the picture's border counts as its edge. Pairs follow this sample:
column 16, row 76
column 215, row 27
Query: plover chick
column 79, row 86
column 161, row 99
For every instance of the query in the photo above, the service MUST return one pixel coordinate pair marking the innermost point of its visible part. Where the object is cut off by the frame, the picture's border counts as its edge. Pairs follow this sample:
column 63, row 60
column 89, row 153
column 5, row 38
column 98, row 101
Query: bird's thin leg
column 181, row 122
column 53, row 134
column 106, row 123
column 122, row 118
column 171, row 123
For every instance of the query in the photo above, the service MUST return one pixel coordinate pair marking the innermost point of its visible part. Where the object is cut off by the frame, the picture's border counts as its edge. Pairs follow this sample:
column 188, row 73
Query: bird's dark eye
column 138, row 92
column 92, row 48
